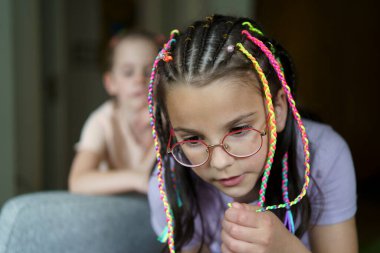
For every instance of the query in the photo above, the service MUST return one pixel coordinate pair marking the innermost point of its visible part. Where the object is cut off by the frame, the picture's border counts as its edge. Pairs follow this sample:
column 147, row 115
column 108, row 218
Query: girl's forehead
column 135, row 46
column 217, row 102
column 134, row 51
column 219, row 88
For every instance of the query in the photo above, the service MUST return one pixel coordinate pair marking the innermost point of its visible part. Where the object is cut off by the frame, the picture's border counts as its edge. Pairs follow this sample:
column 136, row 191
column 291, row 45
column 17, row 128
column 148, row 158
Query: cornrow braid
column 195, row 48
column 226, row 31
column 185, row 51
column 201, row 49
column 225, row 56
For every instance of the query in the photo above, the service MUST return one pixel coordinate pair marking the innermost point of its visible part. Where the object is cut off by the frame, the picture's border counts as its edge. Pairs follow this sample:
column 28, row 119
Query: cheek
column 257, row 161
column 202, row 172
column 263, row 153
column 126, row 87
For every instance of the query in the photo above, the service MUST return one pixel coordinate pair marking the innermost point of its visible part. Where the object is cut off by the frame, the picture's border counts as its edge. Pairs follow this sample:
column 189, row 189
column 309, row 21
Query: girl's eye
column 192, row 138
column 190, row 142
column 240, row 130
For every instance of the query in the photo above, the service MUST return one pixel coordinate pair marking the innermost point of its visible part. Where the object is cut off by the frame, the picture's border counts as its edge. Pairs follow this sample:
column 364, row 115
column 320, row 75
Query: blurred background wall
column 335, row 47
column 50, row 76
column 51, row 53
column 21, row 97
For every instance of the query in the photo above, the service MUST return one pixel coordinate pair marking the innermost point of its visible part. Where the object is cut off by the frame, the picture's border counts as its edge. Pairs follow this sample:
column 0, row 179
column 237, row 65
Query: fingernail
column 236, row 205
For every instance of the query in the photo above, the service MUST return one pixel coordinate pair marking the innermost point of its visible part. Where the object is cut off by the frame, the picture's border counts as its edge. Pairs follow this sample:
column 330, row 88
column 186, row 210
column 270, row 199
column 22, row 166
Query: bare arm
column 337, row 238
column 87, row 179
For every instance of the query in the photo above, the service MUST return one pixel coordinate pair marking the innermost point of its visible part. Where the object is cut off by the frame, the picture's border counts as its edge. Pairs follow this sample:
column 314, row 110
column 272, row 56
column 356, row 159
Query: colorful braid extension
column 272, row 124
column 252, row 28
column 289, row 221
column 296, row 115
column 163, row 55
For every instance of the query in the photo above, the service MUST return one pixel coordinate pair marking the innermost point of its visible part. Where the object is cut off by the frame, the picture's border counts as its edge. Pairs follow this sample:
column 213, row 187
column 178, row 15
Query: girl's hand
column 142, row 119
column 141, row 182
column 144, row 169
column 247, row 231
column 148, row 161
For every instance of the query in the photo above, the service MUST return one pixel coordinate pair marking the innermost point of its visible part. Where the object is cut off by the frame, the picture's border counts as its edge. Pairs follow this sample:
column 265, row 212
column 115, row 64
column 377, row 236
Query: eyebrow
column 228, row 124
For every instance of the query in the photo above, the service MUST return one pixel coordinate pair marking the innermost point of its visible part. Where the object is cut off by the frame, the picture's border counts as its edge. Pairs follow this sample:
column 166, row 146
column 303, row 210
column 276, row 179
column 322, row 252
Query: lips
column 231, row 181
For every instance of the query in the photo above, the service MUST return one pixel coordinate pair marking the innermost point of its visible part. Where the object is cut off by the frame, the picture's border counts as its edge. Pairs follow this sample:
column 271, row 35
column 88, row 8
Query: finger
column 246, row 215
column 242, row 233
column 233, row 245
column 245, row 206
column 225, row 249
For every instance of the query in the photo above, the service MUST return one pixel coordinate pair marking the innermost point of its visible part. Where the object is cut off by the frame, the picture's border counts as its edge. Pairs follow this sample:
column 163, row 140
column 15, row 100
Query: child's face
column 129, row 77
column 209, row 113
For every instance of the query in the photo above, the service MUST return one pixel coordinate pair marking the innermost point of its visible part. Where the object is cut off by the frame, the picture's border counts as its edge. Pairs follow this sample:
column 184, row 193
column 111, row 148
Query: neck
column 251, row 196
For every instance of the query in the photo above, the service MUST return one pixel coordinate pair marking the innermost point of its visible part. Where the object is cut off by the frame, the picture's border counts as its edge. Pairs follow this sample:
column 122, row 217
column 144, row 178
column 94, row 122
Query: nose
column 219, row 158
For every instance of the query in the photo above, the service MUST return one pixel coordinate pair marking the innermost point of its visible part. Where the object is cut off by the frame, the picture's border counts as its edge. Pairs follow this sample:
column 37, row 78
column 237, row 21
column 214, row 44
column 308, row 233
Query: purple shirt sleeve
column 158, row 212
column 333, row 174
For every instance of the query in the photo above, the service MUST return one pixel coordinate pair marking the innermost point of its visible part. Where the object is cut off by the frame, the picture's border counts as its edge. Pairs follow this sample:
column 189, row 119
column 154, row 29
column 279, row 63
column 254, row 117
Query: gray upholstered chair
column 50, row 222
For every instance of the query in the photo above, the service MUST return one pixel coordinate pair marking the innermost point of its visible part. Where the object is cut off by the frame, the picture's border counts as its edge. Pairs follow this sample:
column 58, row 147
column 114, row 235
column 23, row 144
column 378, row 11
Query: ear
column 109, row 85
column 281, row 110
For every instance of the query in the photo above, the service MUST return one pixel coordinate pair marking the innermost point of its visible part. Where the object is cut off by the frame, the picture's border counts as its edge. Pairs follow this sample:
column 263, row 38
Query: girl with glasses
column 238, row 169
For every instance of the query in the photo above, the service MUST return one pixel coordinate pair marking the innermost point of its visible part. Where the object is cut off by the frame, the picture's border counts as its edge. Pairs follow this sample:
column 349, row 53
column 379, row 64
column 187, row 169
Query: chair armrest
column 49, row 222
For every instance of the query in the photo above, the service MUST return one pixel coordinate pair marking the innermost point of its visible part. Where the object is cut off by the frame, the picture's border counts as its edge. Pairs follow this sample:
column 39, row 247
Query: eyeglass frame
column 169, row 149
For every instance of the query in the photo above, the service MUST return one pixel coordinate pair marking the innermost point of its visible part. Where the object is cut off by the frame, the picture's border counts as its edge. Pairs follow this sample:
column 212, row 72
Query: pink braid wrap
column 296, row 115
column 161, row 185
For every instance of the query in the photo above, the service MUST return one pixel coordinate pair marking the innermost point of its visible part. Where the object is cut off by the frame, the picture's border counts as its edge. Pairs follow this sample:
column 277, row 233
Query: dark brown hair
column 119, row 37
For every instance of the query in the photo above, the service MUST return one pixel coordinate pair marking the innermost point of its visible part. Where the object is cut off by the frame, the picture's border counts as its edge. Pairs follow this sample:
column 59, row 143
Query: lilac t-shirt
column 331, row 167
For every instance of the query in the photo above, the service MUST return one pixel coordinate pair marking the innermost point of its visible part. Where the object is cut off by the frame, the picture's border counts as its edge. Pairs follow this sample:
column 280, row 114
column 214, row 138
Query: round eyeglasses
column 240, row 143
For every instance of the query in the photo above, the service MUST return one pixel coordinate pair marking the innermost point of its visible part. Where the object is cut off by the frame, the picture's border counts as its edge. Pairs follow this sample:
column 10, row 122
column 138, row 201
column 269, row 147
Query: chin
column 236, row 192
column 137, row 105
column 245, row 191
